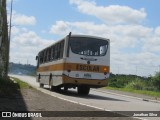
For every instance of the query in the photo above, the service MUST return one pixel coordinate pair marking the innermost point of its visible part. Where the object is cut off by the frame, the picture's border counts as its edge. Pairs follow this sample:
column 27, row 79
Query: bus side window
column 56, row 52
column 61, row 49
column 41, row 57
column 45, row 56
column 48, row 54
column 53, row 52
column 51, row 56
column 46, row 59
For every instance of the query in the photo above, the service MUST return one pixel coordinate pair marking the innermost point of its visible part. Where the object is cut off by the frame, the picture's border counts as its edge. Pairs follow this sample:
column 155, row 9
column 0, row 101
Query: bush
column 7, row 87
column 137, row 84
column 112, row 83
column 155, row 80
column 120, row 81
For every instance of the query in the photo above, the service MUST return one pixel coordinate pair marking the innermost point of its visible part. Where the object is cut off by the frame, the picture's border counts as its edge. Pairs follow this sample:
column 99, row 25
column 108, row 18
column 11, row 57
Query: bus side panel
column 57, row 80
column 43, row 78
column 51, row 73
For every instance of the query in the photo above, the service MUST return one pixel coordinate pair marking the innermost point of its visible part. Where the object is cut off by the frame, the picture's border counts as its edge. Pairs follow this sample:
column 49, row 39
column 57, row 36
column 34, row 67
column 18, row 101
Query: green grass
column 21, row 84
column 9, row 87
column 144, row 92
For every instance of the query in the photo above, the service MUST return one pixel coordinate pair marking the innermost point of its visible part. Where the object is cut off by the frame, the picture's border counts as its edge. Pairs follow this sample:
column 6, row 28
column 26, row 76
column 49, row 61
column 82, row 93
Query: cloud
column 121, row 24
column 129, row 35
column 122, row 38
column 133, row 45
column 152, row 44
column 112, row 14
column 60, row 27
column 21, row 19
column 25, row 45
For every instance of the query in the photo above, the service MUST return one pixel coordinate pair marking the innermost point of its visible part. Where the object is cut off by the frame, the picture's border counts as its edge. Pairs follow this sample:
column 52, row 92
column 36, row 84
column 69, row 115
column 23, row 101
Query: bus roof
column 75, row 35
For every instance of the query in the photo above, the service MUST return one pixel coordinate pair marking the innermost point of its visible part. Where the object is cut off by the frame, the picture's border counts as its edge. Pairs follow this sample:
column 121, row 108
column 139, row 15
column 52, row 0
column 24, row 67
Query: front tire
column 83, row 90
column 65, row 88
column 55, row 88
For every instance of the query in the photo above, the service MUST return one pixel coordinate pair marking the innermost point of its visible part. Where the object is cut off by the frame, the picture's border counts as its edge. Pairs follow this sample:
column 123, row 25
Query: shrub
column 155, row 80
column 7, row 87
column 137, row 84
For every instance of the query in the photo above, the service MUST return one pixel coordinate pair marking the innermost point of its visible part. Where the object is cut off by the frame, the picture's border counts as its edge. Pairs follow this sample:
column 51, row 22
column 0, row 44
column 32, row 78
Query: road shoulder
column 137, row 96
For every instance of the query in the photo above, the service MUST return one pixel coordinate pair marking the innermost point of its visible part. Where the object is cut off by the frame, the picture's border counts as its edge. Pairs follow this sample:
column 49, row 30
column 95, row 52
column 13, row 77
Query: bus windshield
column 88, row 46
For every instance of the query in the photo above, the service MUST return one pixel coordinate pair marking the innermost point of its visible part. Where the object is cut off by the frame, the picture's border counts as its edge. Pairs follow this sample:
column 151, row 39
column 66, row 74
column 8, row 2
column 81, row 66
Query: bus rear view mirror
column 36, row 57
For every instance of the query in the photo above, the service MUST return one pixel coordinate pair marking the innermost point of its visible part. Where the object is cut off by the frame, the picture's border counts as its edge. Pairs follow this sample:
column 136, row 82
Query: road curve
column 100, row 99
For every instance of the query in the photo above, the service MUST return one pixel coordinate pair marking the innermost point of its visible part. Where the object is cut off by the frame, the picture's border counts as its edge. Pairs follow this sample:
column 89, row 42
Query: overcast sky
column 133, row 27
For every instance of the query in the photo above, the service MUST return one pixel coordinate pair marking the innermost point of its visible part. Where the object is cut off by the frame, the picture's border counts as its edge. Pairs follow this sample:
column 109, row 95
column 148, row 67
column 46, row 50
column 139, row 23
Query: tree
column 156, row 80
column 4, row 48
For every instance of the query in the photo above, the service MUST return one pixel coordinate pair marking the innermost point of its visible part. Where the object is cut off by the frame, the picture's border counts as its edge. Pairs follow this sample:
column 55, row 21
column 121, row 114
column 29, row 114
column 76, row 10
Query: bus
column 75, row 61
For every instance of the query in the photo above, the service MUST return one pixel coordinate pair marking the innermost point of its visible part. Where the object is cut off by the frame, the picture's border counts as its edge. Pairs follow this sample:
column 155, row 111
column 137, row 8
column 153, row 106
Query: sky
column 132, row 26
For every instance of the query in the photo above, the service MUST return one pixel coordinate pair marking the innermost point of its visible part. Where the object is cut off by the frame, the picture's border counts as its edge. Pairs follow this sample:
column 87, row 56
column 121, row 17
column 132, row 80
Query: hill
column 23, row 69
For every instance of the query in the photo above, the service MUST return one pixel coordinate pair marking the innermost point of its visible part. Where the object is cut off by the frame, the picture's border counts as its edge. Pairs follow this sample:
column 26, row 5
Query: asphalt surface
column 101, row 100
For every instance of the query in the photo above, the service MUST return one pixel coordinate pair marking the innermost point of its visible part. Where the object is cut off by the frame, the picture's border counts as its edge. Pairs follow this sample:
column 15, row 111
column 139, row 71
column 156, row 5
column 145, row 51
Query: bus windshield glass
column 88, row 46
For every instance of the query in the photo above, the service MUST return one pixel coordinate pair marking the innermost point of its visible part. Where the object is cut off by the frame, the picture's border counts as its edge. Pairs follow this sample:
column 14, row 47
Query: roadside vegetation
column 10, row 87
column 22, row 69
column 136, row 84
column 21, row 84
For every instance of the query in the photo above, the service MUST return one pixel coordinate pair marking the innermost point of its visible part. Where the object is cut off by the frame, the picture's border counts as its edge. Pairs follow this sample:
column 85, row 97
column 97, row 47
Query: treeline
column 151, row 83
column 26, row 69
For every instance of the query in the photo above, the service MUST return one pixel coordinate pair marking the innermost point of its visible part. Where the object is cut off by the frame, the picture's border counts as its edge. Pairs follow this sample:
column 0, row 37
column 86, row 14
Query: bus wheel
column 51, row 88
column 55, row 88
column 83, row 90
column 41, row 85
column 65, row 88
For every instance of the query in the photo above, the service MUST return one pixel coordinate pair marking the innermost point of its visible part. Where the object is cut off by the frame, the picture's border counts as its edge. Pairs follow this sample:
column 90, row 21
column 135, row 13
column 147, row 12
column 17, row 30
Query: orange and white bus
column 76, row 61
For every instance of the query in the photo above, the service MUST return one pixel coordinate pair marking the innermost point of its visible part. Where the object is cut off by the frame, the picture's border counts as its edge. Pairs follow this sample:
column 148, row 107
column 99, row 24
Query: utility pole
column 159, row 71
column 10, row 25
column 118, row 69
column 9, row 36
column 27, row 61
column 136, row 72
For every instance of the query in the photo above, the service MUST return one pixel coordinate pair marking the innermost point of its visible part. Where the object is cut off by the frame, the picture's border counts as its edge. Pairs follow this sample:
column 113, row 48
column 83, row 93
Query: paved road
column 100, row 99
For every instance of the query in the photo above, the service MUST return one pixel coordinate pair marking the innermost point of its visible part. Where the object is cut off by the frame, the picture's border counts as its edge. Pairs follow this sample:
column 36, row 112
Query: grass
column 9, row 87
column 144, row 92
column 21, row 84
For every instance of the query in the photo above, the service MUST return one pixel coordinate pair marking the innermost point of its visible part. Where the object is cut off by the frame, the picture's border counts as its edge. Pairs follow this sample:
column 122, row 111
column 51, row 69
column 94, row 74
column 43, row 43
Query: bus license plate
column 87, row 75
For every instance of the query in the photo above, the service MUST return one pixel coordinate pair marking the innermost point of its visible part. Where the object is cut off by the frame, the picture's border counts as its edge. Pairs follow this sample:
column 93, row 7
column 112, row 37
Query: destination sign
column 87, row 68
